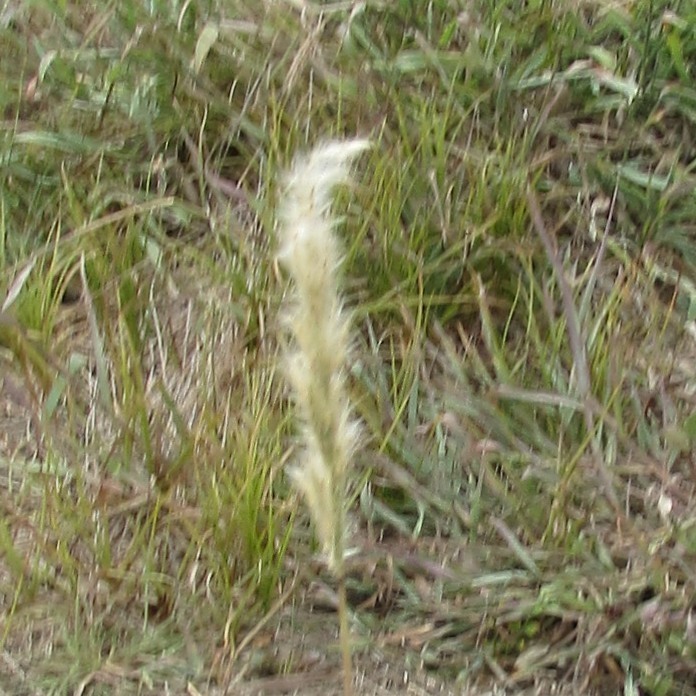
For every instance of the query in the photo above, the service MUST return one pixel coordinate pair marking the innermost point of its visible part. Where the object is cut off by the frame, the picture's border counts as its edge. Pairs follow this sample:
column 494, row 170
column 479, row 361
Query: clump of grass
column 141, row 420
column 320, row 332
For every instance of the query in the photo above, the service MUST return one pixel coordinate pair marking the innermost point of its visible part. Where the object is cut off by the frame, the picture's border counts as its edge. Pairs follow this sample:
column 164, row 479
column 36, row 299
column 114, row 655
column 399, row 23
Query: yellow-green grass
column 520, row 266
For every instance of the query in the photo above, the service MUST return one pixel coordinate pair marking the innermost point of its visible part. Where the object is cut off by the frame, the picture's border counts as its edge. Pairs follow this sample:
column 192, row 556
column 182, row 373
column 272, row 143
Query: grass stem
column 344, row 637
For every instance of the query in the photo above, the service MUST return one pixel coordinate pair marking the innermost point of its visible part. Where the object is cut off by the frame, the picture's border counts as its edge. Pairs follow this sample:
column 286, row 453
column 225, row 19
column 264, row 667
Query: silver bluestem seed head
column 320, row 337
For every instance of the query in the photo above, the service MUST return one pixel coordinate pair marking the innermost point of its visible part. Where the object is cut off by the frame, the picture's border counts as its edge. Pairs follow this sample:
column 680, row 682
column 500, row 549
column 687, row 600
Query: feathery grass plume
column 319, row 326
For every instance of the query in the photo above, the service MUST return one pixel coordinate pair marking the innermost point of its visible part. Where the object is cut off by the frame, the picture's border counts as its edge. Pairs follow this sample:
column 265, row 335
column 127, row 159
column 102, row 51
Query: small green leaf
column 689, row 427
column 676, row 50
column 604, row 57
column 647, row 180
column 205, row 42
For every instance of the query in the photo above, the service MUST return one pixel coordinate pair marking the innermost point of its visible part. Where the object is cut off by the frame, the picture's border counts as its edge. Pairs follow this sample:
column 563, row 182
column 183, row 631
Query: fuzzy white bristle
column 319, row 328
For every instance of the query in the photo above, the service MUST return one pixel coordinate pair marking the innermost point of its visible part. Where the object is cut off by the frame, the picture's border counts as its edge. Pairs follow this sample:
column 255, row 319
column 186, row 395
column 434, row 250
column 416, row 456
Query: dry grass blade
column 577, row 345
